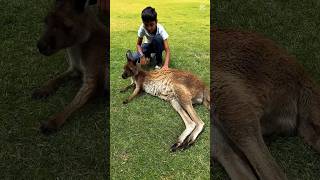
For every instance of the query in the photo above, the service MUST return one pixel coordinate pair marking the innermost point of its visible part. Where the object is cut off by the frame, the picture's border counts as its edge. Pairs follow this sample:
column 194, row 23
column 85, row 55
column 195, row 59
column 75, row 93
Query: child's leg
column 157, row 47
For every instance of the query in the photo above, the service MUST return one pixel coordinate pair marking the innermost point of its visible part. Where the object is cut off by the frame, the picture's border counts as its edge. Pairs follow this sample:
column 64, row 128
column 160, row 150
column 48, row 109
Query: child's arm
column 167, row 57
column 139, row 48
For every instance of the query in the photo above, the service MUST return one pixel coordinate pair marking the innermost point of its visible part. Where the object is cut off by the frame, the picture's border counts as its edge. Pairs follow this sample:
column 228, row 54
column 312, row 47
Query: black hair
column 149, row 14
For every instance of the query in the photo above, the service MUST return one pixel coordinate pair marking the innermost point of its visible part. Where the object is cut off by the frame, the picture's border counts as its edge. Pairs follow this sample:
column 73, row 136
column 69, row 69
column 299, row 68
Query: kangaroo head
column 66, row 26
column 131, row 68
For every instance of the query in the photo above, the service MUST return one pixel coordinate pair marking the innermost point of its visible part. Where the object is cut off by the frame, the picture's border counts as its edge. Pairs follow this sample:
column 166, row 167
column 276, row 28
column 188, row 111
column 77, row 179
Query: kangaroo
column 258, row 90
column 74, row 28
column 181, row 89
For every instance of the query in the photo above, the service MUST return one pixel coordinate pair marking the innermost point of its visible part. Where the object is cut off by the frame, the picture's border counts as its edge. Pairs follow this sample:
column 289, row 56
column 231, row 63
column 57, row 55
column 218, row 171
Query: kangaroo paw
column 47, row 129
column 42, row 93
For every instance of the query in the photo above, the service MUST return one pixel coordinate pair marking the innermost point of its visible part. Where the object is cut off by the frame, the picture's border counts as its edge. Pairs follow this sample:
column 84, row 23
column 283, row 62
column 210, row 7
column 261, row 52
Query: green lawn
column 143, row 130
column 78, row 149
column 295, row 26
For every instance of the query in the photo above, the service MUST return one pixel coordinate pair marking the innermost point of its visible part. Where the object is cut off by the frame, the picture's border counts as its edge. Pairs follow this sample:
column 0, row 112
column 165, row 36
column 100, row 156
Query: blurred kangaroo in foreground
column 258, row 90
column 73, row 27
column 181, row 89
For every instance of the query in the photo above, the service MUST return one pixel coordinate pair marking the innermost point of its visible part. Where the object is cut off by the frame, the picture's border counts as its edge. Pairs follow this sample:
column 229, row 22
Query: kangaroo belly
column 284, row 123
column 75, row 59
column 160, row 88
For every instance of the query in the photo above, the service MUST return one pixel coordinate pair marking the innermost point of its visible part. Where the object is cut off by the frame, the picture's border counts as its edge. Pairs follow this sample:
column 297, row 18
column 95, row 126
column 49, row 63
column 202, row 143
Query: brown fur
column 85, row 39
column 258, row 90
column 181, row 89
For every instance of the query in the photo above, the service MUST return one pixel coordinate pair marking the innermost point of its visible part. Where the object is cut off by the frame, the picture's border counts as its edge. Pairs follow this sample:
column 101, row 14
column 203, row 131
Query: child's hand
column 143, row 60
column 165, row 67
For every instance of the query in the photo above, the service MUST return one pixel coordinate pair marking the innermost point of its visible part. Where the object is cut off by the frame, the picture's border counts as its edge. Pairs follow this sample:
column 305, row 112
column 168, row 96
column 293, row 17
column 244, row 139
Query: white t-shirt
column 160, row 30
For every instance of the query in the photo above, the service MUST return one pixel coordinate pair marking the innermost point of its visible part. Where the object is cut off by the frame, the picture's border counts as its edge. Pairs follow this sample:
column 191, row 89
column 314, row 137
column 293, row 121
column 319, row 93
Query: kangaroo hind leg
column 190, row 125
column 199, row 124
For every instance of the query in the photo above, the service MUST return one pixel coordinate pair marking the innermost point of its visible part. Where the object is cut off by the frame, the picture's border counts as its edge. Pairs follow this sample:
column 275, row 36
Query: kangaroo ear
column 92, row 2
column 59, row 3
column 80, row 5
column 129, row 56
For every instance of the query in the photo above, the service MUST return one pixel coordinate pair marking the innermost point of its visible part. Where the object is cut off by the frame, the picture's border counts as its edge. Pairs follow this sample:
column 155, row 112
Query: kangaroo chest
column 75, row 58
column 160, row 87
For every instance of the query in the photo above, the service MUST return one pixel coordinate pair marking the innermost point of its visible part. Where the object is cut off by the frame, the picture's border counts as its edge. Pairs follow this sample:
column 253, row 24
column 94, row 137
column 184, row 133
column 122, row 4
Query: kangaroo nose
column 124, row 76
column 42, row 47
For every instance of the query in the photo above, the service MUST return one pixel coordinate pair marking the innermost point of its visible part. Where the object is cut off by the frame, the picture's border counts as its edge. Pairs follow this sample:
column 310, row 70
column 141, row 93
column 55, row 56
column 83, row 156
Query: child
column 156, row 39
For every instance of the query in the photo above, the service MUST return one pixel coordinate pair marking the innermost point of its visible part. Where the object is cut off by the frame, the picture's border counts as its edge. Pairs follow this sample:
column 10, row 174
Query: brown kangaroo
column 258, row 90
column 78, row 31
column 181, row 89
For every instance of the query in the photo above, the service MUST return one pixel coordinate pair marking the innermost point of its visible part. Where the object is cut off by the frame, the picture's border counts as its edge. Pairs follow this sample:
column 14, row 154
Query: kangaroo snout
column 124, row 76
column 43, row 48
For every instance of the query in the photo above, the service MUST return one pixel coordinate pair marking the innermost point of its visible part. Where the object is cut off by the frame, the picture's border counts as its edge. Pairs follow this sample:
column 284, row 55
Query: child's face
column 150, row 26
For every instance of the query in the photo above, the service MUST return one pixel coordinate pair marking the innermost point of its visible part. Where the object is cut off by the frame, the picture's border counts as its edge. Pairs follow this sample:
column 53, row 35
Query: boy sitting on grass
column 156, row 40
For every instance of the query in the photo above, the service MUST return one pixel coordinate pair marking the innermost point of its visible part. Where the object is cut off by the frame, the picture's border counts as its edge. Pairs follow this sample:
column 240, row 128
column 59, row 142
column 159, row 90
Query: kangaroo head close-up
column 70, row 25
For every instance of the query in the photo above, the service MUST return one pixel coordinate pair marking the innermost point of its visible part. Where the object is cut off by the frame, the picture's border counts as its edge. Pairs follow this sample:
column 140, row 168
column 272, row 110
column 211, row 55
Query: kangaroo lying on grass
column 258, row 90
column 181, row 89
column 72, row 27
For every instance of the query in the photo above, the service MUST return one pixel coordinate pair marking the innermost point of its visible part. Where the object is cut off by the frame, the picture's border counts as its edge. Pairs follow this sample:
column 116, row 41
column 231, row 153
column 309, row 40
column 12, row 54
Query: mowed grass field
column 143, row 130
column 78, row 150
column 294, row 25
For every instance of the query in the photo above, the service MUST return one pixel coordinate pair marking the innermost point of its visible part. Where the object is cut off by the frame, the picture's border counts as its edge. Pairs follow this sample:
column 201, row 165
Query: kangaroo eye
column 68, row 28
column 68, row 25
column 54, row 29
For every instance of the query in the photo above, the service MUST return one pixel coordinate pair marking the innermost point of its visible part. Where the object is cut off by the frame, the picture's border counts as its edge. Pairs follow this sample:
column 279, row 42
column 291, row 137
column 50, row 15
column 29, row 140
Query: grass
column 78, row 150
column 295, row 26
column 143, row 131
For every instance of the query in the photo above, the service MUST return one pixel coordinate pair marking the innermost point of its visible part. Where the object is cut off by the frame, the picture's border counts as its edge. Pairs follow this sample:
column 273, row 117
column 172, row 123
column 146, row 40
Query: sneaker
column 157, row 67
